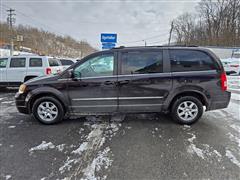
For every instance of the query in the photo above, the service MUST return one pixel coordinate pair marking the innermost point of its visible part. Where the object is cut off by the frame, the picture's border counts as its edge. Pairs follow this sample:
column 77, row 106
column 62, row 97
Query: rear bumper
column 21, row 103
column 221, row 102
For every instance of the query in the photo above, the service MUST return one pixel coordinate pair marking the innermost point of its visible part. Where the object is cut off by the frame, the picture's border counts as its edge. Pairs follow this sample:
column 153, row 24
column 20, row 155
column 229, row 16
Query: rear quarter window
column 191, row 60
column 35, row 62
column 53, row 62
column 66, row 62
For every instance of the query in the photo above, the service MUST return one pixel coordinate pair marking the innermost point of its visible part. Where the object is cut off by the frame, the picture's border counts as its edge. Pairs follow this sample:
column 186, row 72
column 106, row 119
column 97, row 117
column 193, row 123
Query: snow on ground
column 90, row 151
column 203, row 151
column 60, row 147
column 11, row 127
column 102, row 161
column 8, row 177
column 234, row 160
column 43, row 146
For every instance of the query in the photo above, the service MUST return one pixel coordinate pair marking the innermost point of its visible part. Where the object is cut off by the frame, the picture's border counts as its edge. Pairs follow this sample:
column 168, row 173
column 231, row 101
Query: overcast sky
column 86, row 20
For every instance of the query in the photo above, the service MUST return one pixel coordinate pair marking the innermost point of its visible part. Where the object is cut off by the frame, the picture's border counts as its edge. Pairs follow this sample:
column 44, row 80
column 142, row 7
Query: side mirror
column 74, row 75
column 70, row 73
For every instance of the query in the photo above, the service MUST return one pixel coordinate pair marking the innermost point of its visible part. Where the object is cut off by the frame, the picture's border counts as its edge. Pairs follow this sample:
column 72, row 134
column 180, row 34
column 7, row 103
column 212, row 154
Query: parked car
column 175, row 80
column 236, row 54
column 66, row 62
column 231, row 65
column 18, row 69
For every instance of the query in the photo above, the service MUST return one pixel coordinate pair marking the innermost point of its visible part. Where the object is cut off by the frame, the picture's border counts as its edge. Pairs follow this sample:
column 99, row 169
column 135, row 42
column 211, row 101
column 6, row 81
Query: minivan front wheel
column 48, row 110
column 187, row 110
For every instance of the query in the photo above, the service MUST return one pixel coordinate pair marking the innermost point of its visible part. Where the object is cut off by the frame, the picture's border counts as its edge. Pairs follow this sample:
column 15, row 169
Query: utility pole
column 145, row 43
column 170, row 34
column 11, row 20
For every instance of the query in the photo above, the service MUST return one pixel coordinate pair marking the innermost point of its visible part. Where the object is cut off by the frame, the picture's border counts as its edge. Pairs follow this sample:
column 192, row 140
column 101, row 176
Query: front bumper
column 21, row 104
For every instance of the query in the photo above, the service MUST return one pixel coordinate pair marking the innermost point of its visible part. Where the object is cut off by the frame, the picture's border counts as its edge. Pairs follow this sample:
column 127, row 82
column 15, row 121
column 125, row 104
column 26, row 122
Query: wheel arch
column 197, row 94
column 28, row 77
column 33, row 96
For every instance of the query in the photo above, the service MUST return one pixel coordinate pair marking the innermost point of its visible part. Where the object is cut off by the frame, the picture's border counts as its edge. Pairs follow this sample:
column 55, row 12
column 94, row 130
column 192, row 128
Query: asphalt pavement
column 142, row 146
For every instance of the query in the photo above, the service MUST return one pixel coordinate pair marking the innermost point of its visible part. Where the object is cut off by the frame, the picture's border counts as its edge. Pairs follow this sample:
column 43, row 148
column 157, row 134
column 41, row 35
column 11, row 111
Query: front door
column 144, row 80
column 93, row 88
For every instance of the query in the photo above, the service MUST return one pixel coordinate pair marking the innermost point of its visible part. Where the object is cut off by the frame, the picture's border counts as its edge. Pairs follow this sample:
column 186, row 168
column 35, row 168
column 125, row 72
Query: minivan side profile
column 175, row 80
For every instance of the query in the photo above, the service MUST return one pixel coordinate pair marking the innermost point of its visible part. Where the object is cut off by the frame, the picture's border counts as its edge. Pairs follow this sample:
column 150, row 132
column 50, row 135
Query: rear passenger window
column 65, row 62
column 53, row 62
column 18, row 62
column 35, row 62
column 142, row 62
column 190, row 60
column 3, row 63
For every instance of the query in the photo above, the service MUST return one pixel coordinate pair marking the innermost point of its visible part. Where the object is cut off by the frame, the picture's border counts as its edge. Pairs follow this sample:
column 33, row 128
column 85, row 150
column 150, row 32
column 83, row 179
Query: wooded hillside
column 216, row 22
column 45, row 42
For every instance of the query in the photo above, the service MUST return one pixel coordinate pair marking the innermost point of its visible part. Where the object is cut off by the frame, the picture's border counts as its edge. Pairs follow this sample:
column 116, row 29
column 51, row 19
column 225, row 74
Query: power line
column 156, row 42
column 144, row 40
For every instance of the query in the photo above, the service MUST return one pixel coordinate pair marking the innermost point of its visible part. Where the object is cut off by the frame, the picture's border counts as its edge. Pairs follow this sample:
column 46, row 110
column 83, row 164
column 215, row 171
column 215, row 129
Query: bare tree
column 217, row 23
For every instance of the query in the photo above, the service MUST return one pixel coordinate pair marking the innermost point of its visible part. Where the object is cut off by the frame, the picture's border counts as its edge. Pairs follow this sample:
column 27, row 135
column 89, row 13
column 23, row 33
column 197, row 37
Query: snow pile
column 91, row 152
column 192, row 149
column 11, row 127
column 67, row 165
column 81, row 148
column 101, row 161
column 43, row 146
column 232, row 158
column 204, row 152
column 60, row 147
column 234, row 139
column 8, row 177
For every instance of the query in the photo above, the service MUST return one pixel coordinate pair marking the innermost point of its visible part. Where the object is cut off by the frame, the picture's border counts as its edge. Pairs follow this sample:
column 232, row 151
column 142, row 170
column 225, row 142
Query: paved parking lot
column 146, row 146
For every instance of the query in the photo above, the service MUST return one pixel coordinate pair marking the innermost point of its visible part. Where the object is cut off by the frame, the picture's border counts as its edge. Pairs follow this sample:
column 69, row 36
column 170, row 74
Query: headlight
column 22, row 88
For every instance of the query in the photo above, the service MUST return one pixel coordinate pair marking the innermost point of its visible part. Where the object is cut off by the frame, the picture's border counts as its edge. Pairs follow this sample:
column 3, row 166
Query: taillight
column 48, row 71
column 234, row 65
column 224, row 81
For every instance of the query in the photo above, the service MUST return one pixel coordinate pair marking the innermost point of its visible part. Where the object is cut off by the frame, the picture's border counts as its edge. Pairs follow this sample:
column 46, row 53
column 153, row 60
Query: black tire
column 60, row 111
column 176, row 107
column 3, row 88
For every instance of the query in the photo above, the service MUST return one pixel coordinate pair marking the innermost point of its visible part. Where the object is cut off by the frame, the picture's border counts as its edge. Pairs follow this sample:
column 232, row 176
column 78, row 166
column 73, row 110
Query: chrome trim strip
column 94, row 99
column 148, row 74
column 115, row 98
column 140, row 105
column 147, row 97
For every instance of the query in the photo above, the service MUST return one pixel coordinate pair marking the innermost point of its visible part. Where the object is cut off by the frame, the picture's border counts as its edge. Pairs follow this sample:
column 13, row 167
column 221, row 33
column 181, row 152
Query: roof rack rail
column 122, row 47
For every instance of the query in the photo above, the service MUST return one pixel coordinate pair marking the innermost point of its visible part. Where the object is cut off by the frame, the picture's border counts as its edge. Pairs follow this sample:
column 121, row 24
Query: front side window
column 53, row 62
column 95, row 67
column 3, row 62
column 18, row 62
column 35, row 62
column 190, row 60
column 142, row 62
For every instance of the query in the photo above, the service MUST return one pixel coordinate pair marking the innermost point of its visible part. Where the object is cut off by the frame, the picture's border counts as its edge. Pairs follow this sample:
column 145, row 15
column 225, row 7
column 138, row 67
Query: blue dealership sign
column 108, row 38
column 108, row 45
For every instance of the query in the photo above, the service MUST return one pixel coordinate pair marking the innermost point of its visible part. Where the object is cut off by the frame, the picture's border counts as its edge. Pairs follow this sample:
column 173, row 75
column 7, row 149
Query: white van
column 15, row 70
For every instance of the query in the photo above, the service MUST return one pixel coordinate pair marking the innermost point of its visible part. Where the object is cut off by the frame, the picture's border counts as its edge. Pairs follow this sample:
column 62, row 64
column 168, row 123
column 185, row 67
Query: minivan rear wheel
column 48, row 110
column 187, row 110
